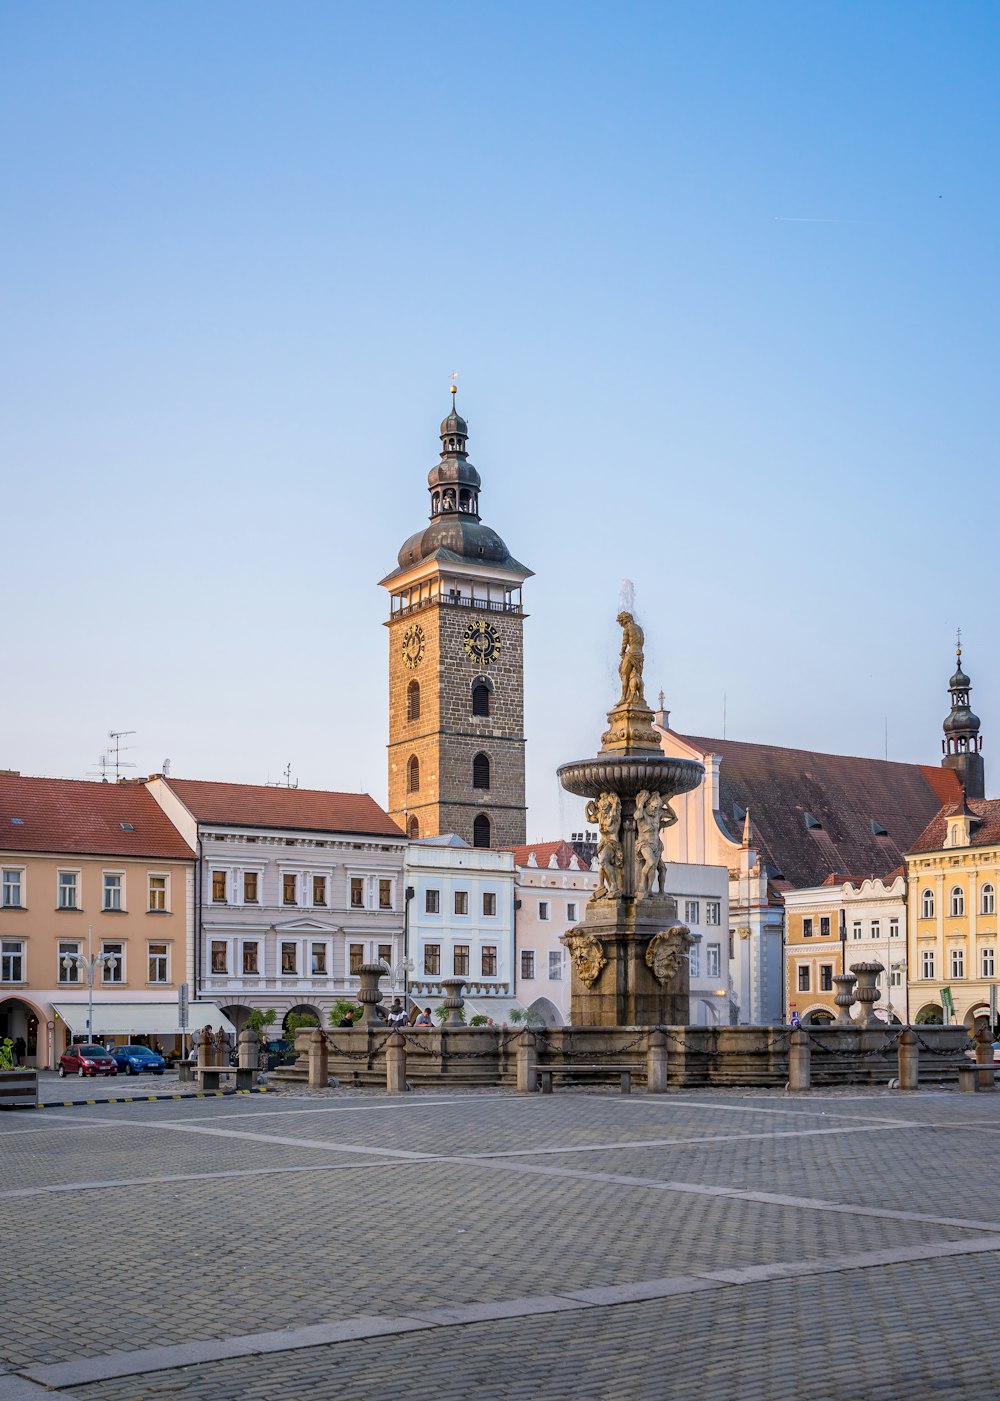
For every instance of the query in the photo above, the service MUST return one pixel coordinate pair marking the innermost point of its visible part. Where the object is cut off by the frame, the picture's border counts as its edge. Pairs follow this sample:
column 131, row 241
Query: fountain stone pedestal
column 630, row 956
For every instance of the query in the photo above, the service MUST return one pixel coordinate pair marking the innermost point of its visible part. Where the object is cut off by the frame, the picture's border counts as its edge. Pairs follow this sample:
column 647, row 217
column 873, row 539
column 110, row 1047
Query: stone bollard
column 984, row 1056
column 527, row 1064
column 798, row 1061
column 395, row 1064
column 318, row 1052
column 656, row 1063
column 248, row 1058
column 909, row 1061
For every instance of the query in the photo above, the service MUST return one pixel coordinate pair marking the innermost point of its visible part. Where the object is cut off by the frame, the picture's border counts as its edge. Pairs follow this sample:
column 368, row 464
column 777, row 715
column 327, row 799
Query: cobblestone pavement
column 704, row 1245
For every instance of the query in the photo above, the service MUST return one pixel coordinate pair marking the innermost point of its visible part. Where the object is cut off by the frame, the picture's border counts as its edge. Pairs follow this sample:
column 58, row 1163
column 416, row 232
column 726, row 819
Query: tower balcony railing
column 481, row 605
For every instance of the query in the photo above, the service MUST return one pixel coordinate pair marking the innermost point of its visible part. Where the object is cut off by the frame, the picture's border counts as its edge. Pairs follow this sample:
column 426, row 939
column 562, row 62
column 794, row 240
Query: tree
column 259, row 1019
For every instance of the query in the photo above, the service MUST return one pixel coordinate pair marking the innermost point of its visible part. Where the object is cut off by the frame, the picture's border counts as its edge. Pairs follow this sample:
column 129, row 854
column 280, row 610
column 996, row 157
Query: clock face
column 413, row 645
column 482, row 642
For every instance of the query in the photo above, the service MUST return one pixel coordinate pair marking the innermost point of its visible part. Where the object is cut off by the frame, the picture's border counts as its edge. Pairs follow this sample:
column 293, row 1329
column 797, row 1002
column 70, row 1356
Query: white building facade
column 553, row 886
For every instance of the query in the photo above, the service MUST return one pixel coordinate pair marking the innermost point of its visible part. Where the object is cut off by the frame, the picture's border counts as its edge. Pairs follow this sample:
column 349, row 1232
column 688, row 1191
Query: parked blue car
column 133, row 1060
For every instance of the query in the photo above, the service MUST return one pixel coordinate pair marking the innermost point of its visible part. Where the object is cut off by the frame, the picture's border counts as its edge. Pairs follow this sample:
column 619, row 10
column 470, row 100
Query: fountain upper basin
column 628, row 775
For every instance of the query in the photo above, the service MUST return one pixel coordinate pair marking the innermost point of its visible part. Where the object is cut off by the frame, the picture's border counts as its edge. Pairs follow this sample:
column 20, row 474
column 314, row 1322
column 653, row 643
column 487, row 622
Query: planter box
column 18, row 1089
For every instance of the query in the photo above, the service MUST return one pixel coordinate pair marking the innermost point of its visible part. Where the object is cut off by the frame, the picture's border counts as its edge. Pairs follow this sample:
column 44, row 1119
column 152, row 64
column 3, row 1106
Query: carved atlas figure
column 606, row 812
column 651, row 813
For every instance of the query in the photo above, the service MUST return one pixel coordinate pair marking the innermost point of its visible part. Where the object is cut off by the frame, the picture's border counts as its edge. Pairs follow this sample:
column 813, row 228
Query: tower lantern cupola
column 454, row 483
column 962, row 744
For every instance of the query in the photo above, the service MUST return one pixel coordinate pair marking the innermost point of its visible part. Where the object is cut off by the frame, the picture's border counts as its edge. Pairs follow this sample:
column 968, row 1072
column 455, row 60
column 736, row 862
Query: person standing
column 19, row 1050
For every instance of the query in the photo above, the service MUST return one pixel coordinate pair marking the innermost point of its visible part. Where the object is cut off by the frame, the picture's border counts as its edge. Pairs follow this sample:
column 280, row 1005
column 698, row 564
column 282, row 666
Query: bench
column 969, row 1073
column 208, row 1076
column 587, row 1072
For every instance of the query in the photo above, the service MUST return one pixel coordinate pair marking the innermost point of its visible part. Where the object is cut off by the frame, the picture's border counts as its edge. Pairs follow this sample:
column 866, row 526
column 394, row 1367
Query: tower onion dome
column 454, row 486
column 961, row 723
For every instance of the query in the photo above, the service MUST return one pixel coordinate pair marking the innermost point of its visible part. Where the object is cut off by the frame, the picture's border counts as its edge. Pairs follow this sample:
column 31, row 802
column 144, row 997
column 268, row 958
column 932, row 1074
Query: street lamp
column 89, row 964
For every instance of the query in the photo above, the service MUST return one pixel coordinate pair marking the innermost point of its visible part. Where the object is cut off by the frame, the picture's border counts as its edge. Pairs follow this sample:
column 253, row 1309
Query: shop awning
column 138, row 1018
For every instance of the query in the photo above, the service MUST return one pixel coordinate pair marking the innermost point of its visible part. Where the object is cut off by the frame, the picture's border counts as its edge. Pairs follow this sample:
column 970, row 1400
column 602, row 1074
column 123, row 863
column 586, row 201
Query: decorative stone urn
column 368, row 993
column 867, row 993
column 845, row 996
column 453, row 1002
column 630, row 956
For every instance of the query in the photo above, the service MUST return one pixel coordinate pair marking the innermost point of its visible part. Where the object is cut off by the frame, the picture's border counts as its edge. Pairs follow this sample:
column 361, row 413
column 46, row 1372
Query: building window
column 694, row 961
column 112, row 891
column 692, row 912
column 856, row 929
column 251, row 963
column 432, row 960
column 713, row 912
column 413, row 775
column 357, row 892
column 69, row 969
column 113, row 972
column 895, row 978
column 481, row 831
column 555, row 965
column 67, row 890
column 713, row 960
column 489, row 903
column 543, row 909
column 385, row 954
column 357, row 957
column 894, row 929
column 319, row 890
column 317, row 965
column 289, row 958
column 732, row 946
column 289, row 889
column 489, row 961
column 927, row 963
column 385, row 894
column 571, row 911
column 413, row 831
column 250, row 888
column 157, row 894
column 988, row 900
column 824, row 925
column 807, row 929
column 432, row 902
column 481, row 771
column 461, row 902
column 988, row 963
column 11, row 961
column 826, row 977
column 12, row 889
column 528, row 963
column 158, row 963
column 218, row 887
column 876, row 933
column 804, row 979
column 413, row 701
column 927, row 905
column 461, row 960
column 957, row 963
column 480, row 698
column 220, row 956
column 957, row 904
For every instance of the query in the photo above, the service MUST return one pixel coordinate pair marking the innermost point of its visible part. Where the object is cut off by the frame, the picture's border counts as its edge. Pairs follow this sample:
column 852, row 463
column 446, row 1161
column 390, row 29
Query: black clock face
column 482, row 642
column 413, row 645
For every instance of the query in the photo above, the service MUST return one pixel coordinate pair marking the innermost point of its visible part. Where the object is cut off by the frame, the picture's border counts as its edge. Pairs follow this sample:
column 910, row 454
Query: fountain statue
column 630, row 956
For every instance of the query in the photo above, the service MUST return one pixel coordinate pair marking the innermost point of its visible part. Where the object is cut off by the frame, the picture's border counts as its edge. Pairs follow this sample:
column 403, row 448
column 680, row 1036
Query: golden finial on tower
column 958, row 643
column 454, row 386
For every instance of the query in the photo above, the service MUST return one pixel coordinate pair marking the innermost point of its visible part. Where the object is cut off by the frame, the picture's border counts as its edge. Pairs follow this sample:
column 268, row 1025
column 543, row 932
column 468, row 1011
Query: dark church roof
column 816, row 815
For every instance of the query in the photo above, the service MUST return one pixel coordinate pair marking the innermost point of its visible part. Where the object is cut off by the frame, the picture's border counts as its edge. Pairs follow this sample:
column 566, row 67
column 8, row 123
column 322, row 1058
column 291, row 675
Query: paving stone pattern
column 590, row 1228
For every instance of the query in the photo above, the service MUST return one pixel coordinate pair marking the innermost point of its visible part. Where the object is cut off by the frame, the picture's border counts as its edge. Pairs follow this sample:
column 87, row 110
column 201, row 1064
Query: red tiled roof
column 844, row 795
column 74, row 815
column 544, row 852
column 292, row 809
column 985, row 833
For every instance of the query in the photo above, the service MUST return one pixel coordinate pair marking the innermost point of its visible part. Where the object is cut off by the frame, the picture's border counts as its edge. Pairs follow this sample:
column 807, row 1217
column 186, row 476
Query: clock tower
column 456, row 669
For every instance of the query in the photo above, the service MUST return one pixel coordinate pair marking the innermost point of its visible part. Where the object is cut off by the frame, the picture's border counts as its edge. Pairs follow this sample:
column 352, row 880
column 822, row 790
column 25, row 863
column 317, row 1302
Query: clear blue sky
column 720, row 283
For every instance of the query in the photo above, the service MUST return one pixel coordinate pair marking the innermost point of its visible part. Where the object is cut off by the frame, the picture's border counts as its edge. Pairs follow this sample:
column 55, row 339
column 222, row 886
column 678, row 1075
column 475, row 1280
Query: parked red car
column 87, row 1060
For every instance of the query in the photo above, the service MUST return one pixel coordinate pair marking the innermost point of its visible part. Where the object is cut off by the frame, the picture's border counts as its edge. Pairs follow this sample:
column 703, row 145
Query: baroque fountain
column 630, row 956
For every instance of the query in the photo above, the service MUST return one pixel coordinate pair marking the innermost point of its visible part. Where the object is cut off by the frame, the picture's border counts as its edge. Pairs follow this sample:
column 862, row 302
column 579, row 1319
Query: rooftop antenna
column 286, row 779
column 166, row 768
column 112, row 756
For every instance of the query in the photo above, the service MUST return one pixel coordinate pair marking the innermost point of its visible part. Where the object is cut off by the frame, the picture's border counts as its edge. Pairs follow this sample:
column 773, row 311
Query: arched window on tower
column 957, row 901
column 927, row 905
column 481, row 771
column 480, row 698
column 481, row 831
column 413, row 775
column 413, row 829
column 413, row 701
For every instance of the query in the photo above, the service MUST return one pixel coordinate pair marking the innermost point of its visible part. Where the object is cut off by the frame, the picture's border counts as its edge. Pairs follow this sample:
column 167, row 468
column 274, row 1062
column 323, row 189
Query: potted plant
column 18, row 1083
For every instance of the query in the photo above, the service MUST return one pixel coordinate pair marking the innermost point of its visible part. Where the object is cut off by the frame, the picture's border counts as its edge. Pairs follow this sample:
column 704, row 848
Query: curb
column 146, row 1099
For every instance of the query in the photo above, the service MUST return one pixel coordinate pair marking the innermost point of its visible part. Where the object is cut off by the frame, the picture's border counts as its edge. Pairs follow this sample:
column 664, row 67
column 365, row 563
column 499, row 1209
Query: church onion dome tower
column 455, row 528
column 962, row 744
